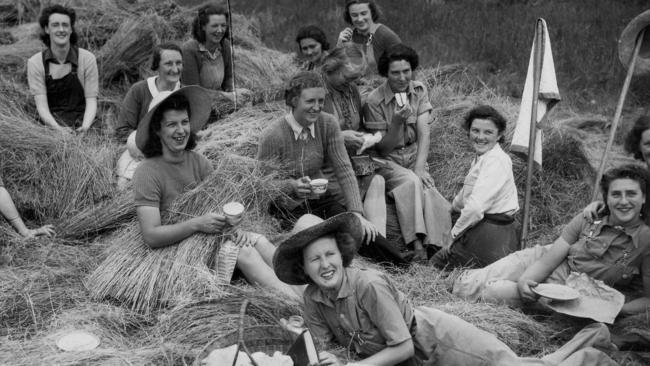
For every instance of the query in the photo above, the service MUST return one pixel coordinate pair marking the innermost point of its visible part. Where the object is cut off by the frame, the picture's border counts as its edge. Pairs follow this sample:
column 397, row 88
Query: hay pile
column 51, row 175
column 145, row 279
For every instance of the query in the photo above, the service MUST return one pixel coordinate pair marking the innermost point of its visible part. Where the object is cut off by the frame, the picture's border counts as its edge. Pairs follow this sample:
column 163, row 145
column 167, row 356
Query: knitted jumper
column 307, row 158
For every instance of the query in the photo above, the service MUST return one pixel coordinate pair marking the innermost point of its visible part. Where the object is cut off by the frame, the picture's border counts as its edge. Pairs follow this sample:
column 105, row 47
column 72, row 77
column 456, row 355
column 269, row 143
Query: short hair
column 153, row 146
column 341, row 56
column 375, row 11
column 633, row 138
column 629, row 171
column 485, row 112
column 315, row 33
column 157, row 53
column 300, row 81
column 345, row 242
column 398, row 52
column 44, row 20
column 203, row 17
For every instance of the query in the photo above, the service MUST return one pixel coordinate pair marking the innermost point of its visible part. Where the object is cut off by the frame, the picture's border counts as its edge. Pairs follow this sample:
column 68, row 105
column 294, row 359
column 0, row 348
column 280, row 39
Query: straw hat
column 287, row 261
column 200, row 109
column 627, row 42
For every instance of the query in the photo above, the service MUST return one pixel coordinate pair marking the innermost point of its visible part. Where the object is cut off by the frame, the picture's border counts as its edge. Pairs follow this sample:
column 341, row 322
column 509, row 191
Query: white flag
column 549, row 95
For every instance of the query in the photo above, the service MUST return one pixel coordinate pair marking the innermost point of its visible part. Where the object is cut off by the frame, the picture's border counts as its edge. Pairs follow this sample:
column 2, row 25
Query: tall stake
column 538, row 53
column 232, row 54
column 617, row 115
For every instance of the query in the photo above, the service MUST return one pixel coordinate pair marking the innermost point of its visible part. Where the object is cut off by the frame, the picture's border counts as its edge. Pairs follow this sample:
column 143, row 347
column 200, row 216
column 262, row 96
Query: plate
column 78, row 340
column 556, row 292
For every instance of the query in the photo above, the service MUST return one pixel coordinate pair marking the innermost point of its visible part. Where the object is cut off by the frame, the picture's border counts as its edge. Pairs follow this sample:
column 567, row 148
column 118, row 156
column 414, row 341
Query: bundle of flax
column 147, row 279
column 239, row 132
column 94, row 220
column 52, row 175
column 263, row 71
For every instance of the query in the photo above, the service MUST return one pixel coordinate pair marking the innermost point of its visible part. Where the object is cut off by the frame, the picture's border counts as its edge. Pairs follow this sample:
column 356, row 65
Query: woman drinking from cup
column 371, row 37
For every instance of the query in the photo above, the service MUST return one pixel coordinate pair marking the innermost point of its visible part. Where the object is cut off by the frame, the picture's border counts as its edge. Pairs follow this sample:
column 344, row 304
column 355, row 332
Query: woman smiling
column 615, row 250
column 372, row 37
column 486, row 229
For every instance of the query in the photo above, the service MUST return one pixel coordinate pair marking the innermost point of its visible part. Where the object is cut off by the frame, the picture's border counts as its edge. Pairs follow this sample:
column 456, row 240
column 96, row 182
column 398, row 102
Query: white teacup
column 233, row 212
column 318, row 186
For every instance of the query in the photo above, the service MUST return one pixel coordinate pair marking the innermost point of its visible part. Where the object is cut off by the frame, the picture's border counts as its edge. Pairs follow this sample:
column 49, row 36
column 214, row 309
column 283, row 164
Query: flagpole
column 617, row 115
column 538, row 51
column 232, row 54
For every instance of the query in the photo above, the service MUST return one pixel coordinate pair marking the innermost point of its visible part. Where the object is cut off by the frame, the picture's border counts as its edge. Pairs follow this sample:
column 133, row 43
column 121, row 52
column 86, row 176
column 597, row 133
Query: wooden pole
column 617, row 115
column 538, row 53
column 232, row 54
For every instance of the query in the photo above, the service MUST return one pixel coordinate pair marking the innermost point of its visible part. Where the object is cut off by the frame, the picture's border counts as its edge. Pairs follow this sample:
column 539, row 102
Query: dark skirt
column 494, row 237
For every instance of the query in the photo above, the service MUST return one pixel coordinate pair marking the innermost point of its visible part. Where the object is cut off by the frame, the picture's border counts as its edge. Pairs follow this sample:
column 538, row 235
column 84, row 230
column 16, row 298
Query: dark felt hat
column 628, row 40
column 287, row 261
column 200, row 109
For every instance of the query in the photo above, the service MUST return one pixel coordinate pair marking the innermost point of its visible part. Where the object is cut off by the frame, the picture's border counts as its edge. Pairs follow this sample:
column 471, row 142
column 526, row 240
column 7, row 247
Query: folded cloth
column 549, row 95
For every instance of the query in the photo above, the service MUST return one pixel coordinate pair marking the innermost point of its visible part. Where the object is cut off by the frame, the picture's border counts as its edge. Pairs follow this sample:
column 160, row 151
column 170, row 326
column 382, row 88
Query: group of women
column 372, row 146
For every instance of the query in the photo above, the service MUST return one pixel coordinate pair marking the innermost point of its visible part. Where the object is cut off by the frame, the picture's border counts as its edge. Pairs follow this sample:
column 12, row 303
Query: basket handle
column 240, row 343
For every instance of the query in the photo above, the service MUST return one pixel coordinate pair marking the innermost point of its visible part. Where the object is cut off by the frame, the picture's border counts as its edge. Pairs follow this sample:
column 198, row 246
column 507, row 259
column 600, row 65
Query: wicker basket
column 251, row 338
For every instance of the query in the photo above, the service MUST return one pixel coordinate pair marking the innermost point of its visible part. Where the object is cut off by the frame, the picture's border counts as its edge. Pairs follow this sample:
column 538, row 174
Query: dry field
column 168, row 311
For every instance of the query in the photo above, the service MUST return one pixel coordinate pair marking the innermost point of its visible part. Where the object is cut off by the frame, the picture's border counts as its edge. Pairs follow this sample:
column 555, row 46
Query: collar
column 297, row 128
column 212, row 56
column 496, row 149
column 344, row 292
column 634, row 232
column 153, row 89
column 388, row 95
column 72, row 56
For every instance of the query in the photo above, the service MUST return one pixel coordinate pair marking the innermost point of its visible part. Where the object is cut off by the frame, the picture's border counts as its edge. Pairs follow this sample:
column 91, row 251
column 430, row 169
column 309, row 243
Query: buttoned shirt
column 297, row 128
column 489, row 187
column 369, row 312
column 613, row 254
column 380, row 111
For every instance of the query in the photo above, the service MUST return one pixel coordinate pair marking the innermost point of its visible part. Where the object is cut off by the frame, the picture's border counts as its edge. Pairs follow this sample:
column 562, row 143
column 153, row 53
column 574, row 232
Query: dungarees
column 65, row 96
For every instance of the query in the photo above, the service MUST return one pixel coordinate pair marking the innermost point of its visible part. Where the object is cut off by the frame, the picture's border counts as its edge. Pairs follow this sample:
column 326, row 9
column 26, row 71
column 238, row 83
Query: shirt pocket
column 597, row 246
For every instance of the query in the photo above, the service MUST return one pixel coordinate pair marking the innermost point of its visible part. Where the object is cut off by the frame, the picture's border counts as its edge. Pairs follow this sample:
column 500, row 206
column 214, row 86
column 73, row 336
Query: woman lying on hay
column 305, row 141
column 361, row 309
column 399, row 109
column 166, row 136
column 207, row 59
column 167, row 62
column 614, row 249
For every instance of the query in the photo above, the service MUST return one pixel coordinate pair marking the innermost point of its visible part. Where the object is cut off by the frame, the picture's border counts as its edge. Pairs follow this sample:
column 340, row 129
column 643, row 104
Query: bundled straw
column 239, row 132
column 94, row 220
column 50, row 174
column 264, row 71
column 145, row 278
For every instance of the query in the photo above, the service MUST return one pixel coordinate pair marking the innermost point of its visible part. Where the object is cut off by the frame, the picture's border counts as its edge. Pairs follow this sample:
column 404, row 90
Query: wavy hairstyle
column 375, row 11
column 633, row 138
column 44, row 20
column 157, row 53
column 298, row 82
column 153, row 146
column 489, row 113
column 203, row 17
column 346, row 244
column 398, row 52
column 315, row 33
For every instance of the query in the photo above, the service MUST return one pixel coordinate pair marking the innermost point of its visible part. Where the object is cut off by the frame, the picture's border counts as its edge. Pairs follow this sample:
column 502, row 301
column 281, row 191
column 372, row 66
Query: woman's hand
column 210, row 223
column 403, row 113
column 427, row 180
column 328, row 359
column 524, row 287
column 45, row 230
column 301, row 187
column 370, row 231
column 345, row 36
column 352, row 139
column 244, row 239
column 593, row 210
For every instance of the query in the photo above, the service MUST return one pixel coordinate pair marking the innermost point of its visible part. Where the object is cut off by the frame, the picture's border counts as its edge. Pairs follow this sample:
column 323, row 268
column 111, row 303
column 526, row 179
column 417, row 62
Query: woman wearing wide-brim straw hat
column 166, row 136
column 627, row 43
column 363, row 310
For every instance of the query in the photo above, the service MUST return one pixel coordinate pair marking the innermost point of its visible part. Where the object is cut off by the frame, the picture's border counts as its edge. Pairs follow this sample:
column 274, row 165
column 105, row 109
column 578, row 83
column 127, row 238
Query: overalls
column 65, row 96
